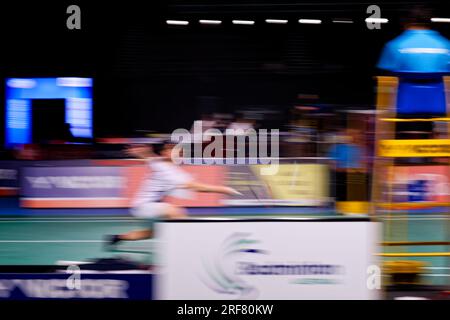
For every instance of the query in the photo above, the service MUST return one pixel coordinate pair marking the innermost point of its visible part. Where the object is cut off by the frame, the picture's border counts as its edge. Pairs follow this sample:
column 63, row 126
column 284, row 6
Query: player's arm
column 202, row 187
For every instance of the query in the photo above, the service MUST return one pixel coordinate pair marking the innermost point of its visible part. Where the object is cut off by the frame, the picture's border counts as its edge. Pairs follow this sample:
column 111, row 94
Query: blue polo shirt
column 419, row 58
column 416, row 53
column 346, row 156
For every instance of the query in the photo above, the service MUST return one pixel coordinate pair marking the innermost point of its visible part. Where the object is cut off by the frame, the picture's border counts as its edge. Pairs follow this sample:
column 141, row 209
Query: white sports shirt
column 164, row 179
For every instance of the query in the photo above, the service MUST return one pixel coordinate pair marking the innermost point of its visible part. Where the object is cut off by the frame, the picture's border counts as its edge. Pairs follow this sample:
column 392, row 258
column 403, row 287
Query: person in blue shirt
column 345, row 156
column 419, row 57
column 348, row 162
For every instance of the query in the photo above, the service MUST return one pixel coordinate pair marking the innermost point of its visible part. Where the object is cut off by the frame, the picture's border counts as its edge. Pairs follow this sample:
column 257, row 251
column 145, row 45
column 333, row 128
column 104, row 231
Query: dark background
column 151, row 76
column 48, row 116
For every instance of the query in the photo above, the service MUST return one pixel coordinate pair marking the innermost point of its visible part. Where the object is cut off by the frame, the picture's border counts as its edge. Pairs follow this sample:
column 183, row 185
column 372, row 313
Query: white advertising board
column 267, row 259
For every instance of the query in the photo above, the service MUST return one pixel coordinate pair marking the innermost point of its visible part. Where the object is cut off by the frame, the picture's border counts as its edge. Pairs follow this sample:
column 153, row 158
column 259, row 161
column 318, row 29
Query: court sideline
column 45, row 240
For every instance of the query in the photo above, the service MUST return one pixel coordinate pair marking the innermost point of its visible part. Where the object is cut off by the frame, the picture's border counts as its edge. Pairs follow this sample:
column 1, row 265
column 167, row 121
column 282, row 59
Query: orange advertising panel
column 420, row 184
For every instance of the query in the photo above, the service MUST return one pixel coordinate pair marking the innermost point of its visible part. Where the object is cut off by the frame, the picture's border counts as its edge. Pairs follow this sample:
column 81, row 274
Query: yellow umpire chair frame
column 387, row 149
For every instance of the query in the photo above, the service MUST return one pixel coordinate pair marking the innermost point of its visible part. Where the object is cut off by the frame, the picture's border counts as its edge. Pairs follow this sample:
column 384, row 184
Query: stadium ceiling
column 292, row 7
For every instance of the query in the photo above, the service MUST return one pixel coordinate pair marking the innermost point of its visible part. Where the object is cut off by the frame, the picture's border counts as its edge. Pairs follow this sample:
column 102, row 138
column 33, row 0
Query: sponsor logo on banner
column 76, row 182
column 8, row 174
column 9, row 184
column 93, row 286
column 420, row 184
column 241, row 255
column 73, row 182
column 298, row 184
column 415, row 148
column 221, row 274
column 73, row 187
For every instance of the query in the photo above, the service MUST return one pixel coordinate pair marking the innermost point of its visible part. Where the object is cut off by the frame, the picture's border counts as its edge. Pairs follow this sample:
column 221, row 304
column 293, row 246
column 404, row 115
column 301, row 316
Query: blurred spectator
column 200, row 126
column 222, row 120
column 349, row 166
column 347, row 153
column 241, row 123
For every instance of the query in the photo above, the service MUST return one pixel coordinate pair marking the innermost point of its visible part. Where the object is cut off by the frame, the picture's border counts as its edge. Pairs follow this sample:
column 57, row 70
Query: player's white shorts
column 150, row 210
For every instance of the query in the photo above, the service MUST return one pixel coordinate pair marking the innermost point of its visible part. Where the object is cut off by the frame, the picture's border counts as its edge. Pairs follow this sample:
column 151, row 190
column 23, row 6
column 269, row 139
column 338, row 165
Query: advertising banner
column 10, row 171
column 298, row 184
column 83, row 186
column 115, row 185
column 415, row 148
column 104, row 187
column 32, row 286
column 9, row 178
column 420, row 184
column 268, row 259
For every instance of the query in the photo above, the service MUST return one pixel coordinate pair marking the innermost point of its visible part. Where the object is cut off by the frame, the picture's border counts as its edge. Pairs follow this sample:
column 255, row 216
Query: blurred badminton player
column 166, row 179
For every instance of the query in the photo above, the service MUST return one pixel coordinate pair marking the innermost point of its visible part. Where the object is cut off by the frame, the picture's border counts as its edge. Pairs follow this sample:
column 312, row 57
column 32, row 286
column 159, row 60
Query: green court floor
column 46, row 240
column 426, row 228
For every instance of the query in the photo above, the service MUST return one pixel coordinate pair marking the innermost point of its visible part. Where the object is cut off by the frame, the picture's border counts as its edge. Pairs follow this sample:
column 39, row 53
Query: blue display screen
column 77, row 93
